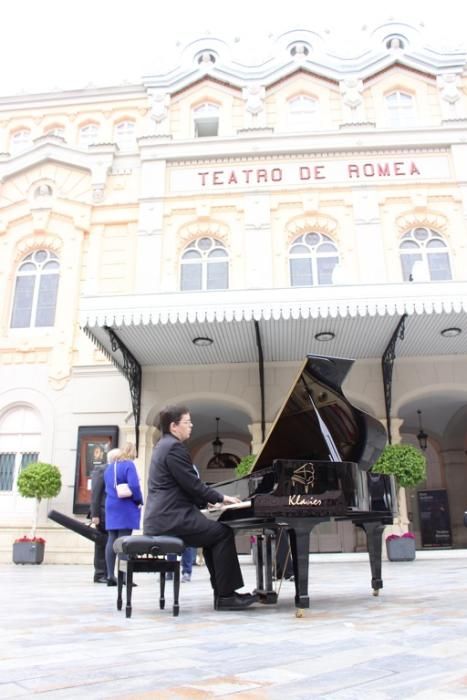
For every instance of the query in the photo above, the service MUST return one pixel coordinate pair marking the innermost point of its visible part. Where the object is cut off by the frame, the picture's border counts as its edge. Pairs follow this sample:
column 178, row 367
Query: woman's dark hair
column 168, row 415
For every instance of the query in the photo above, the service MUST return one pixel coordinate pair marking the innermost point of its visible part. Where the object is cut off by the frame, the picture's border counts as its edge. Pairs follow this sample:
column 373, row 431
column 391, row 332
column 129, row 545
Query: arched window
column 55, row 130
column 20, row 140
column 88, row 134
column 206, row 120
column 125, row 135
column 36, row 290
column 312, row 258
column 302, row 112
column 424, row 256
column 20, row 433
column 400, row 108
column 204, row 265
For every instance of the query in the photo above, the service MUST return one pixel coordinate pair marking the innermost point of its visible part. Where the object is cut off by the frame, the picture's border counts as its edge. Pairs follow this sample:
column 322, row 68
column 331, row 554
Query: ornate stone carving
column 351, row 89
column 254, row 95
column 451, row 102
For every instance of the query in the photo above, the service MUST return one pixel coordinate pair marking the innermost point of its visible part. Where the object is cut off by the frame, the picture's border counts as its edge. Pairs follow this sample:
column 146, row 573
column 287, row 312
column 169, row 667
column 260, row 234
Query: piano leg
column 374, row 537
column 264, row 567
column 299, row 537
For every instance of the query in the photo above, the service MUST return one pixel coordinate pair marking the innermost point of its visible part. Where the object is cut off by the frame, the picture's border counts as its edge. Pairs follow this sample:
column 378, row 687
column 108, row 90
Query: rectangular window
column 190, row 277
column 440, row 268
column 301, row 274
column 206, row 126
column 45, row 314
column 325, row 269
column 7, row 470
column 28, row 458
column 218, row 274
column 407, row 262
column 22, row 305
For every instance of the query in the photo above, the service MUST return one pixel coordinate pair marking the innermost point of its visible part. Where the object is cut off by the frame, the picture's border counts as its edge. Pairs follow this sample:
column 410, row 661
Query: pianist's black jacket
column 175, row 492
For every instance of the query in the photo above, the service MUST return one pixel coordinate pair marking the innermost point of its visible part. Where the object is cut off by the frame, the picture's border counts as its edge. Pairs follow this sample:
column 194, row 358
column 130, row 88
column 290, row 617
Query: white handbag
column 123, row 490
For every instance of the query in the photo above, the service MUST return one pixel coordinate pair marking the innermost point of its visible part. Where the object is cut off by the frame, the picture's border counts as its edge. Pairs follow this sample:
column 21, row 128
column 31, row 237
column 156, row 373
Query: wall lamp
column 422, row 437
column 325, row 336
column 450, row 332
column 202, row 342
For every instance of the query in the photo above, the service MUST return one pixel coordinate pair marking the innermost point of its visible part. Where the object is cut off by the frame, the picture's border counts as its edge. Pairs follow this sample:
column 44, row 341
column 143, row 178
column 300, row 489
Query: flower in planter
column 25, row 538
column 406, row 535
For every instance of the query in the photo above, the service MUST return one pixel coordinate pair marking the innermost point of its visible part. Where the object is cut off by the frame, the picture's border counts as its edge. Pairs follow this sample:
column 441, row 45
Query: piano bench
column 147, row 553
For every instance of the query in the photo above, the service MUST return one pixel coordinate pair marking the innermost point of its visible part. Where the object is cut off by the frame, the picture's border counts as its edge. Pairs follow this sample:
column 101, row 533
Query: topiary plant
column 244, row 466
column 39, row 480
column 405, row 462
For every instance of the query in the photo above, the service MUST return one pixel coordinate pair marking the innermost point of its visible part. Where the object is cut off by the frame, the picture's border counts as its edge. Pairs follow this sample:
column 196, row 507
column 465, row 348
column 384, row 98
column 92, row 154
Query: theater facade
column 191, row 238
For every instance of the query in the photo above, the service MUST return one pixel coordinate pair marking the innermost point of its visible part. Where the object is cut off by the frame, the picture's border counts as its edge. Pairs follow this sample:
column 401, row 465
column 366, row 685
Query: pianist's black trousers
column 220, row 555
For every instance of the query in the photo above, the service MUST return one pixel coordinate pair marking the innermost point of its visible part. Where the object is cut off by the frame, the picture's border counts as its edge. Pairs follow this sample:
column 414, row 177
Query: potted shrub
column 38, row 480
column 244, row 466
column 407, row 464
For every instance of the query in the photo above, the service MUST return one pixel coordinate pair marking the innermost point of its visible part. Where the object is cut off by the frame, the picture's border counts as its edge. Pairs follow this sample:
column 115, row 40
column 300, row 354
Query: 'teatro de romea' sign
column 302, row 172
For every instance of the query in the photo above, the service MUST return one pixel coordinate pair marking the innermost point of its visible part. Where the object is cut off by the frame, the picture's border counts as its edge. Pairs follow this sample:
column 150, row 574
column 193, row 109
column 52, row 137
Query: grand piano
column 313, row 467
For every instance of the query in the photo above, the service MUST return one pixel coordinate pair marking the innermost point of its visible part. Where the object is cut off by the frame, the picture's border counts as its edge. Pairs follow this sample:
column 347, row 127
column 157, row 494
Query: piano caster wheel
column 375, row 591
column 299, row 612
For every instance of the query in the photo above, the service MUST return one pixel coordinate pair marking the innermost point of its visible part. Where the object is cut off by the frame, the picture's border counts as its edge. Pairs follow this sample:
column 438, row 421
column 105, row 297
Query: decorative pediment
column 69, row 172
column 311, row 222
column 202, row 227
column 423, row 218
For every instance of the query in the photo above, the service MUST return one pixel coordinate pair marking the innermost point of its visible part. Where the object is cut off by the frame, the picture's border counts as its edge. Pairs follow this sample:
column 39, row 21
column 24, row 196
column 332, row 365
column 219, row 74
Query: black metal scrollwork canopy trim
column 387, row 363
column 131, row 370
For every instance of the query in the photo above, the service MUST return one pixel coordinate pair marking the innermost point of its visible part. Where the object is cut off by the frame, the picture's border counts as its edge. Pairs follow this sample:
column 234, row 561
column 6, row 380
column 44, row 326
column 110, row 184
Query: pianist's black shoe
column 112, row 581
column 236, row 601
column 100, row 579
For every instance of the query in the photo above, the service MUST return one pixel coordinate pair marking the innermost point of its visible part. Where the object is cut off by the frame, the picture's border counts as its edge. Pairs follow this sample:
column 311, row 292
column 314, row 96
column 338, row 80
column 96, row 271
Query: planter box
column 28, row 552
column 401, row 549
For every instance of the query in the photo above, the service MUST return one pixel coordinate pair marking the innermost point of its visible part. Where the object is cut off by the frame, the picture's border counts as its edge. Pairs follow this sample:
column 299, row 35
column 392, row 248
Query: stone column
column 455, row 464
column 256, row 436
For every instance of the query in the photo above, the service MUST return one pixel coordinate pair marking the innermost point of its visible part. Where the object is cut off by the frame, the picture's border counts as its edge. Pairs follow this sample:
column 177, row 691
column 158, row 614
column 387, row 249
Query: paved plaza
column 63, row 638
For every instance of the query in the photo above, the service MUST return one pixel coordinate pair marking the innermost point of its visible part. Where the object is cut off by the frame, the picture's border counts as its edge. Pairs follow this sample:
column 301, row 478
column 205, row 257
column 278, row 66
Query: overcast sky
column 60, row 44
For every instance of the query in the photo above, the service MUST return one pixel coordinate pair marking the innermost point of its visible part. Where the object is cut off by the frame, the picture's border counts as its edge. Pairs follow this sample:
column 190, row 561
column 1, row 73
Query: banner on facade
column 308, row 172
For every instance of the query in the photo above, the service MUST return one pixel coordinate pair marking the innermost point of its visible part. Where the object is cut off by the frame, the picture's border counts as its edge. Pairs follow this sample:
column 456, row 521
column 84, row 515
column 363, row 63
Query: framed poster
column 94, row 442
column 435, row 522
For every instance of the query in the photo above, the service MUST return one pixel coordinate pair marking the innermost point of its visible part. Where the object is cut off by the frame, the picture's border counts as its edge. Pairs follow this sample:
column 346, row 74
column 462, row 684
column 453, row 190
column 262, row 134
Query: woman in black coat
column 175, row 496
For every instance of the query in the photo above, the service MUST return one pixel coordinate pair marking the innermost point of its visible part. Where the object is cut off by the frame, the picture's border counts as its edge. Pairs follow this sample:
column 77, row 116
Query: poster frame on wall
column 93, row 444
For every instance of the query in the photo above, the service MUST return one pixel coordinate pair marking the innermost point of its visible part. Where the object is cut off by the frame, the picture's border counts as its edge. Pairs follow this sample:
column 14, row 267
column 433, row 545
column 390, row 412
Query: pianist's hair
column 168, row 415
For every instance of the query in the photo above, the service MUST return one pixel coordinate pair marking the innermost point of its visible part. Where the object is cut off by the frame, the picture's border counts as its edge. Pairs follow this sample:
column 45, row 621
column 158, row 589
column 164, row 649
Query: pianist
column 175, row 496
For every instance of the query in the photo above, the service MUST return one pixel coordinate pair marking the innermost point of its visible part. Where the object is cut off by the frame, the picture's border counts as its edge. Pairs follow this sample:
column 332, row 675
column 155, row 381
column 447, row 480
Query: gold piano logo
column 304, row 477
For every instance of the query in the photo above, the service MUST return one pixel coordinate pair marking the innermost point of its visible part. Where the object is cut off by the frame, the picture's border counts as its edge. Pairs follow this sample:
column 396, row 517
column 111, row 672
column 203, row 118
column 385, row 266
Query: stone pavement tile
column 349, row 645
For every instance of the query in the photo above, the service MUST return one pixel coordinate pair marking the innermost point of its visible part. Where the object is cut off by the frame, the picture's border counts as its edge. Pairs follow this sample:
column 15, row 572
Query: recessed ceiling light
column 325, row 336
column 202, row 342
column 451, row 332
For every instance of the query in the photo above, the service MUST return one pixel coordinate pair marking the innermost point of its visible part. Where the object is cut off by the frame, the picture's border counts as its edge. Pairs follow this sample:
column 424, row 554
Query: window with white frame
column 424, row 256
column 88, row 134
column 20, row 140
column 204, row 265
column 125, row 135
column 302, row 113
column 312, row 259
column 36, row 290
column 20, row 435
column 55, row 130
column 400, row 108
column 206, row 120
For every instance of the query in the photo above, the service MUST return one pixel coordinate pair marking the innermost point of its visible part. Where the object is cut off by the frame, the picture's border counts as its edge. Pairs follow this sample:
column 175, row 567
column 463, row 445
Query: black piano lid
column 335, row 431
